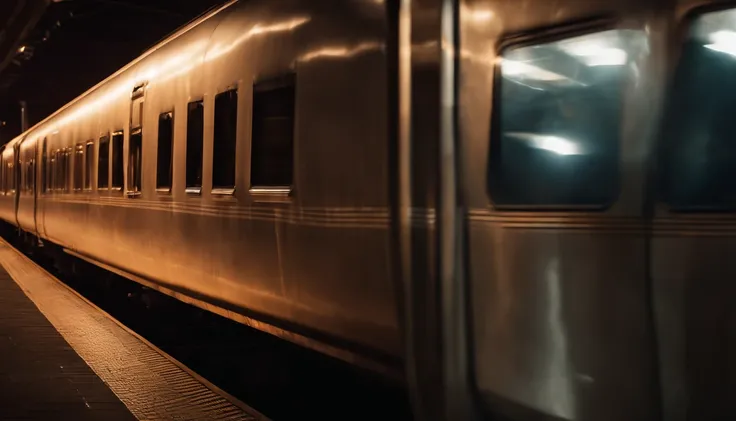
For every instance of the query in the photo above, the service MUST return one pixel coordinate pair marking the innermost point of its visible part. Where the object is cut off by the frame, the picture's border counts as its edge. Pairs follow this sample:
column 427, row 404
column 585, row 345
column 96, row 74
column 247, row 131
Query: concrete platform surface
column 62, row 358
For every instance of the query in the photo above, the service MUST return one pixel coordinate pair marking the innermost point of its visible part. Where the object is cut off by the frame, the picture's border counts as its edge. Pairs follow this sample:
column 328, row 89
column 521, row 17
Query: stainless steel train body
column 521, row 202
column 289, row 249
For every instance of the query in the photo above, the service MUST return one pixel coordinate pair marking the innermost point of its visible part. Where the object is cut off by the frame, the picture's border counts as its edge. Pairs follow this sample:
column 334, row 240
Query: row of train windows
column 556, row 125
column 558, row 109
column 272, row 146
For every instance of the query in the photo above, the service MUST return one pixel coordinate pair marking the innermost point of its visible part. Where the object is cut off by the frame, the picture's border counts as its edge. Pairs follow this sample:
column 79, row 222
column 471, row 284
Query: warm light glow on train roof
column 219, row 50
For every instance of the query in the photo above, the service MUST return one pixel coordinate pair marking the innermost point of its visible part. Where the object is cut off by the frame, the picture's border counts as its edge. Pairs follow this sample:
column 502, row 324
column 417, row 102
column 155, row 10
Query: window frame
column 44, row 165
column 265, row 193
column 134, row 173
column 56, row 168
column 68, row 169
column 79, row 146
column 681, row 30
column 172, row 116
column 23, row 172
column 108, row 140
column 11, row 177
column 89, row 165
column 193, row 190
column 225, row 191
column 541, row 36
column 112, row 186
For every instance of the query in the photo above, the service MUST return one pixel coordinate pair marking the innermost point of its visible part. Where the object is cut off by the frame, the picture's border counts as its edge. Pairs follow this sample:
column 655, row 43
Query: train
column 522, row 210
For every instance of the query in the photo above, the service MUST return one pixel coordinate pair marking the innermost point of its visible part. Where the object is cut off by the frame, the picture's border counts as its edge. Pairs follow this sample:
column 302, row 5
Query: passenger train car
column 524, row 209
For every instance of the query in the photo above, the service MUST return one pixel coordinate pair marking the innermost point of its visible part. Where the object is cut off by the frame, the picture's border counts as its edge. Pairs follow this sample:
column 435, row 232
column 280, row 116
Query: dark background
column 71, row 45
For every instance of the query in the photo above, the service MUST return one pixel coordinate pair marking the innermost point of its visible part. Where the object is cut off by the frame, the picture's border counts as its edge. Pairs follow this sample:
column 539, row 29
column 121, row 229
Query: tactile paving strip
column 149, row 383
column 41, row 377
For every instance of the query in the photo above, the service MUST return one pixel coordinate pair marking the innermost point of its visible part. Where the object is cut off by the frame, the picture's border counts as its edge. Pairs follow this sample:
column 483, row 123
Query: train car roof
column 210, row 13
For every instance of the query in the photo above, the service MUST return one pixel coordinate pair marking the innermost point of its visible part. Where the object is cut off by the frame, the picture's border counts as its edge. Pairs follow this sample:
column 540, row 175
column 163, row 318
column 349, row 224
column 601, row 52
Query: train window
column 89, row 167
column 22, row 167
column 56, row 164
column 62, row 179
column 135, row 159
column 272, row 139
column 226, row 122
column 70, row 156
column 117, row 160
column 556, row 125
column 9, row 177
column 78, row 166
column 165, row 151
column 52, row 171
column 60, row 164
column 31, row 158
column 44, row 166
column 195, row 135
column 65, row 163
column 27, row 169
column 698, row 150
column 103, row 163
column 55, row 170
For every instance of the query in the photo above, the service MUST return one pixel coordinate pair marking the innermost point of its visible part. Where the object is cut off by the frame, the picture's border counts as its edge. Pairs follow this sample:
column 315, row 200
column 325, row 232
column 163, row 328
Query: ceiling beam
column 28, row 12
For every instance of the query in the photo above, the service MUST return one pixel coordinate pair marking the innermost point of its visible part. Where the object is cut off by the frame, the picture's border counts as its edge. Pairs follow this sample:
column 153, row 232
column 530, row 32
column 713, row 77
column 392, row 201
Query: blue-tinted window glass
column 699, row 134
column 558, row 119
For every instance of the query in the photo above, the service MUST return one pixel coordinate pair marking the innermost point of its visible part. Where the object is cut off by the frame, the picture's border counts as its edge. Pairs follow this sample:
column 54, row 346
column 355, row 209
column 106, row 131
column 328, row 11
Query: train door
column 133, row 182
column 547, row 113
column 693, row 267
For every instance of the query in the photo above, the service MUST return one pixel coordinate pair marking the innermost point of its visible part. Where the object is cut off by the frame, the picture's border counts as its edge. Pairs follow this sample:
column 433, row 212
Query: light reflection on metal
column 558, row 393
column 476, row 14
column 97, row 98
column 271, row 190
column 342, row 52
column 178, row 64
column 221, row 191
column 169, row 68
column 258, row 29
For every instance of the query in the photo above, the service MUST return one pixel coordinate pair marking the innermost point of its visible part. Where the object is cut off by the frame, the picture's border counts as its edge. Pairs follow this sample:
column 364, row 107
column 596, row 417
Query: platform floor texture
column 61, row 358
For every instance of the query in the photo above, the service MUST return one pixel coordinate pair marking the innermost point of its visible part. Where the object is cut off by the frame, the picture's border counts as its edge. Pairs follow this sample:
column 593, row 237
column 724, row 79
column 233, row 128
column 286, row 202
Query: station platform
column 62, row 358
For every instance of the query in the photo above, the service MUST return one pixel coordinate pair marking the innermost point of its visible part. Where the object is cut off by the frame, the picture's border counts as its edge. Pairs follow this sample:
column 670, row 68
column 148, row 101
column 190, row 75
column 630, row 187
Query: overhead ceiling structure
column 17, row 18
column 51, row 51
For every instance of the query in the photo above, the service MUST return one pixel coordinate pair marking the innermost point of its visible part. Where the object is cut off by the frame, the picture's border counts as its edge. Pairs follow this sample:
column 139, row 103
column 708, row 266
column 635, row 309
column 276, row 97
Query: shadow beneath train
column 279, row 379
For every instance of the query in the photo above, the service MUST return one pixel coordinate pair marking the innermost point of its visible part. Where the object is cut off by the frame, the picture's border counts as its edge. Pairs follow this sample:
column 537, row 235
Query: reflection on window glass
column 103, row 166
column 698, row 137
column 117, row 160
column 272, row 148
column 558, row 120
column 78, row 166
column 165, row 150
column 195, row 144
